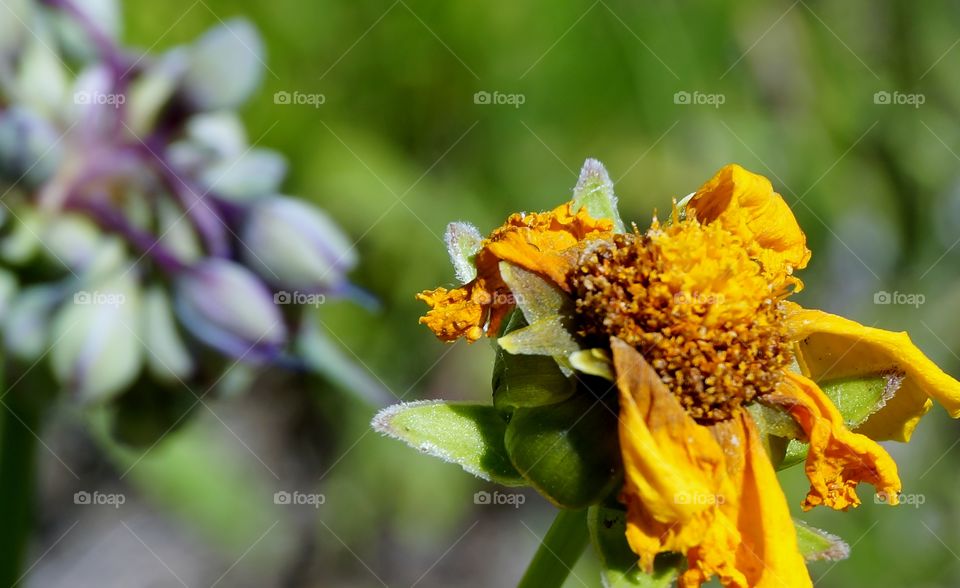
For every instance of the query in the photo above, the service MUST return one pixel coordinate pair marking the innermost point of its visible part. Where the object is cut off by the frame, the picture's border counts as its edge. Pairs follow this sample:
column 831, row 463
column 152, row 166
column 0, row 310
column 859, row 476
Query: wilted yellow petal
column 709, row 493
column 767, row 555
column 745, row 204
column 829, row 346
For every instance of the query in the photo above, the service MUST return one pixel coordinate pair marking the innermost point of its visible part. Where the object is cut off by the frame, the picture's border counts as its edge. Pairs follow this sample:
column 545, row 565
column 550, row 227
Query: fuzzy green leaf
column 816, row 545
column 467, row 434
column 594, row 191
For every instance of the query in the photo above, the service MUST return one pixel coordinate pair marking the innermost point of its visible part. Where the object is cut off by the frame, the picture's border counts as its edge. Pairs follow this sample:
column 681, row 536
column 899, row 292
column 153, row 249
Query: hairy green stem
column 559, row 551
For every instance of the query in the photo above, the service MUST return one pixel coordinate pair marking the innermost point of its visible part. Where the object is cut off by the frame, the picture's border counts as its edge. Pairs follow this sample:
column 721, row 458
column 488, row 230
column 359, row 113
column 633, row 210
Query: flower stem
column 19, row 418
column 559, row 551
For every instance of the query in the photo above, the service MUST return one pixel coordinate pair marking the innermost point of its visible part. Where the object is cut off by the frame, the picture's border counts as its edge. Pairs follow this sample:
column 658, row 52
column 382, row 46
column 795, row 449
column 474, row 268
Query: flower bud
column 294, row 245
column 151, row 92
column 226, row 65
column 71, row 239
column 29, row 149
column 251, row 174
column 74, row 38
column 224, row 305
column 41, row 77
column 167, row 357
column 27, row 320
column 96, row 351
column 22, row 241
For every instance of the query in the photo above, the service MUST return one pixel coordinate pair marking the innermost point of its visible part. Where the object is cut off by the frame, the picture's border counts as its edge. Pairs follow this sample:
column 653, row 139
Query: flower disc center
column 690, row 299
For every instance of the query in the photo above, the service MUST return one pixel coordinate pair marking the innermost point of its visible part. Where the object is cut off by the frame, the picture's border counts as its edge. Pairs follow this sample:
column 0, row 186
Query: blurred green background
column 399, row 148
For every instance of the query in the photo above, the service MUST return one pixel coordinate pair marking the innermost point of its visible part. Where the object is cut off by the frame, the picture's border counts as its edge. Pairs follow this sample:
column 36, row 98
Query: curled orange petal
column 745, row 204
column 838, row 459
column 539, row 242
column 457, row 313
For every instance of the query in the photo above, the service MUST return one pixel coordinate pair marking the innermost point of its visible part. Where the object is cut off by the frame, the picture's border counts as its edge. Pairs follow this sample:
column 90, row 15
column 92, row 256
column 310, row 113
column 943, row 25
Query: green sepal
column 542, row 325
column 568, row 451
column 818, row 545
column 524, row 381
column 548, row 337
column 463, row 242
column 619, row 564
column 468, row 434
column 536, row 298
column 594, row 191
column 795, row 452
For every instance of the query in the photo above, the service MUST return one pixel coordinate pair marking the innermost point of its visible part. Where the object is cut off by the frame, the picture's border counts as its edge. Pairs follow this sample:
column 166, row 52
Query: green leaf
column 463, row 242
column 467, row 434
column 817, row 545
column 594, row 191
column 619, row 564
column 568, row 451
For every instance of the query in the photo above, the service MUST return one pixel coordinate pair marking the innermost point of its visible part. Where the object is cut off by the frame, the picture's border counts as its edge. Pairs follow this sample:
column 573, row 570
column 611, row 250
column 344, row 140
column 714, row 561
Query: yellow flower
column 694, row 316
column 699, row 329
column 540, row 242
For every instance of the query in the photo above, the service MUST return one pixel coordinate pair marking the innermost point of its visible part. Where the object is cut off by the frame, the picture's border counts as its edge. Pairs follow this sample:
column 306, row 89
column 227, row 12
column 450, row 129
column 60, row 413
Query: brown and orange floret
column 695, row 316
column 716, row 343
column 544, row 243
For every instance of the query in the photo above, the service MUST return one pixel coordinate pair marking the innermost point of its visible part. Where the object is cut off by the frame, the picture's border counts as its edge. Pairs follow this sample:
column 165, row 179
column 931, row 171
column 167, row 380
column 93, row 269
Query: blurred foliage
column 399, row 148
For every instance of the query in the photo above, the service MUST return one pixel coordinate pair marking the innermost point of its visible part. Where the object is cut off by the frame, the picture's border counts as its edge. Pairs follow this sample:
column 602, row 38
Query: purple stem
column 111, row 219
column 204, row 216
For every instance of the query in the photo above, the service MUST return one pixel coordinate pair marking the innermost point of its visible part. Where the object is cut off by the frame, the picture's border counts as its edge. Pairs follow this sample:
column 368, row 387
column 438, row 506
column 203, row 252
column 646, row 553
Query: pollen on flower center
column 698, row 308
